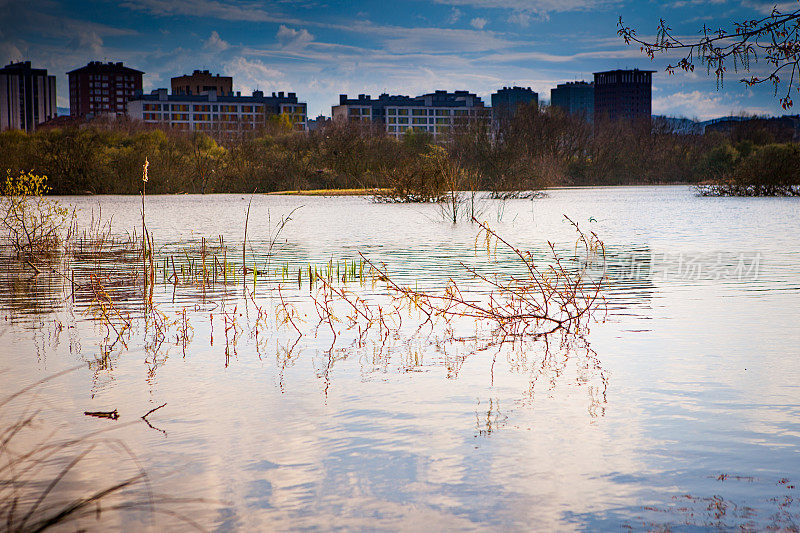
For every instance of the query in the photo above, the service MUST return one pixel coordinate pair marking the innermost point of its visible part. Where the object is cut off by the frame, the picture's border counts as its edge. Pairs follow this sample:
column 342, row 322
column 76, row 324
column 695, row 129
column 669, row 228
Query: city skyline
column 323, row 50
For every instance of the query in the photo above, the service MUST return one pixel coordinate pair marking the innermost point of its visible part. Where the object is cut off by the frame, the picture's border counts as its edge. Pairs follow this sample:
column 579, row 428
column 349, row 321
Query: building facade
column 435, row 113
column 202, row 81
column 231, row 114
column 102, row 89
column 623, row 94
column 574, row 97
column 27, row 97
column 506, row 100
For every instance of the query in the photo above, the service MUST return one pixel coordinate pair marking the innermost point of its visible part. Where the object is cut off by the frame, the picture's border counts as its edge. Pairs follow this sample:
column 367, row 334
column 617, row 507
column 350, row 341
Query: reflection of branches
column 722, row 513
column 148, row 413
column 285, row 357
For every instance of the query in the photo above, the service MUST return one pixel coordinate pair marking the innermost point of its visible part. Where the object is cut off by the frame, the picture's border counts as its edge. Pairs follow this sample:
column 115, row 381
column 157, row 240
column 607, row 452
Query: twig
column 151, row 411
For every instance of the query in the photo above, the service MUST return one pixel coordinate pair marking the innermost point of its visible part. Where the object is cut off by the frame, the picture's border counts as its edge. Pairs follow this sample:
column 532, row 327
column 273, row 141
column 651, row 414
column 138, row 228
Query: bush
column 33, row 223
column 770, row 170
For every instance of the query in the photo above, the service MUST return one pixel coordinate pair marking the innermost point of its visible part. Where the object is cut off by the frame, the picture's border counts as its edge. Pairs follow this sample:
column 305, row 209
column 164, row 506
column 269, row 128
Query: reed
column 144, row 228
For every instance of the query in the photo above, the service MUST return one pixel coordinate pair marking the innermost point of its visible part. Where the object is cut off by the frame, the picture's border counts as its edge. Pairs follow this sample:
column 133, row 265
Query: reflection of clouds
column 388, row 436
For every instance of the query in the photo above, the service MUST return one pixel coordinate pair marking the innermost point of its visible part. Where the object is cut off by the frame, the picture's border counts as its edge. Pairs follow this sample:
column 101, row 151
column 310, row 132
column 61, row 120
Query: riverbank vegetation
column 538, row 148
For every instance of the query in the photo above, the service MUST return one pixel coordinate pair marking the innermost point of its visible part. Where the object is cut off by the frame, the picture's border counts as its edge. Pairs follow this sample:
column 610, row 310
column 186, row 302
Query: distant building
column 574, row 97
column 202, row 81
column 229, row 114
column 435, row 112
column 506, row 100
column 623, row 94
column 317, row 123
column 27, row 97
column 102, row 89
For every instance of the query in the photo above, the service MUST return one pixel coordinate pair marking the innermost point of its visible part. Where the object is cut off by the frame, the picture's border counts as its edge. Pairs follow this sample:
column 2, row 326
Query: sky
column 322, row 48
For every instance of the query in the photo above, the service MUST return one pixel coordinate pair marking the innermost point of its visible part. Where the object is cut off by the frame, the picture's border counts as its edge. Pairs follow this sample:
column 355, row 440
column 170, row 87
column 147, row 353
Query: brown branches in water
column 540, row 301
column 532, row 300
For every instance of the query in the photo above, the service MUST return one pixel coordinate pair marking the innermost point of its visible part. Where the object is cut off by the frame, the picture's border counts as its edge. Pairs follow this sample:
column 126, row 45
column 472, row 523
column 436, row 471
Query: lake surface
column 680, row 408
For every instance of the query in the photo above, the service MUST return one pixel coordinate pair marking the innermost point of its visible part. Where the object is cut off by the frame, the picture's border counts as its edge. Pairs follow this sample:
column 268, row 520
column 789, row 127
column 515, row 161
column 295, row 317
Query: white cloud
column 518, row 57
column 521, row 18
column 91, row 41
column 9, row 52
column 766, row 7
column 216, row 43
column 288, row 37
column 397, row 39
column 249, row 74
column 217, row 9
column 478, row 23
column 689, row 3
column 455, row 14
column 700, row 105
column 535, row 6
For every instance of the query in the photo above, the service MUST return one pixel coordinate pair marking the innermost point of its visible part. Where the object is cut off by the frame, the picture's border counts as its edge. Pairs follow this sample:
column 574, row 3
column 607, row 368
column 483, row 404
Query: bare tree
column 773, row 39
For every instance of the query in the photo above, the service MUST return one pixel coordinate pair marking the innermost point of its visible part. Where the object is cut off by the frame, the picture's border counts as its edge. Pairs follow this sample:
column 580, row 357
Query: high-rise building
column 623, row 94
column 102, row 89
column 229, row 114
column 506, row 100
column 434, row 112
column 27, row 96
column 202, row 81
column 574, row 97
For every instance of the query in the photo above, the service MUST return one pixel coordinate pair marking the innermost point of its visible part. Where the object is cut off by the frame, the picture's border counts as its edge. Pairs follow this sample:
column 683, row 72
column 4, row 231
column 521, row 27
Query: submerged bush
column 32, row 222
column 770, row 170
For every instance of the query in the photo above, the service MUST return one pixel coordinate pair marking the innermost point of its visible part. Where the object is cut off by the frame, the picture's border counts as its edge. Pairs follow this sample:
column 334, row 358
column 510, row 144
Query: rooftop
column 99, row 66
column 256, row 97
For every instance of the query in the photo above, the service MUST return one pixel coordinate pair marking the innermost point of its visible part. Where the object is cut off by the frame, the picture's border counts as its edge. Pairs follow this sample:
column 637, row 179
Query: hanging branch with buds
column 774, row 39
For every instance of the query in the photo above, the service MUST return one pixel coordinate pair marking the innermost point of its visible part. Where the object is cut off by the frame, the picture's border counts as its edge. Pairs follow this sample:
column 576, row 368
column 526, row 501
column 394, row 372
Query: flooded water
column 678, row 409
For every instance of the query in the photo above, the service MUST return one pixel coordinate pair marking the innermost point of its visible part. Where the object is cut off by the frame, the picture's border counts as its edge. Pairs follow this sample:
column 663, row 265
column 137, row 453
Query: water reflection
column 607, row 429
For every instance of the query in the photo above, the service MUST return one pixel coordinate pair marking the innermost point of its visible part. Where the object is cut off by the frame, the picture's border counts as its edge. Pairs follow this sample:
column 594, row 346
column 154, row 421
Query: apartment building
column 102, row 89
column 201, row 81
column 226, row 114
column 574, row 97
column 27, row 97
column 623, row 94
column 435, row 112
column 506, row 100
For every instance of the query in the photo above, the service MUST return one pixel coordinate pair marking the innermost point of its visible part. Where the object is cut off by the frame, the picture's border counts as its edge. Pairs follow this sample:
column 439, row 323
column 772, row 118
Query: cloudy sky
column 321, row 48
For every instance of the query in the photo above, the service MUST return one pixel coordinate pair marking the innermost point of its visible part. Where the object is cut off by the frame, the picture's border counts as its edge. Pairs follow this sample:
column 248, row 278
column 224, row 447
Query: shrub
column 33, row 222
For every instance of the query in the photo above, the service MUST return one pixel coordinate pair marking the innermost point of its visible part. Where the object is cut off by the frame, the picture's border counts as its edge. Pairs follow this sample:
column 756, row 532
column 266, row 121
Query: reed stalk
column 144, row 228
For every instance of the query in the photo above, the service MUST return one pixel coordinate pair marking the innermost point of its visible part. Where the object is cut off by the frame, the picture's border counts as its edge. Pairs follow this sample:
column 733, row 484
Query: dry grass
column 333, row 192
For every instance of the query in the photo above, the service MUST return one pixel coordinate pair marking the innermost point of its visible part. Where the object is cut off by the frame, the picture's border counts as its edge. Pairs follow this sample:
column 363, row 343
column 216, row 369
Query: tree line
column 538, row 147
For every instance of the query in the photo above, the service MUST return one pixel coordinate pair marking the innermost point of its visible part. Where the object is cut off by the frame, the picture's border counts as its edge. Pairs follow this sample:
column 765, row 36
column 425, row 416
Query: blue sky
column 320, row 48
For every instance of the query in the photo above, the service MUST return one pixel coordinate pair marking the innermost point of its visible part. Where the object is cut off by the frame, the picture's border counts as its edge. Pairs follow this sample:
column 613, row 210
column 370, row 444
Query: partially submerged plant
column 540, row 301
column 33, row 223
